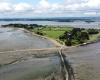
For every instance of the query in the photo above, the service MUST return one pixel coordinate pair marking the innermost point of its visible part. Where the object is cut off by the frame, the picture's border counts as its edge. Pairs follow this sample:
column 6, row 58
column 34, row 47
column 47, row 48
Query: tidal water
column 79, row 24
column 15, row 39
column 85, row 59
column 26, row 67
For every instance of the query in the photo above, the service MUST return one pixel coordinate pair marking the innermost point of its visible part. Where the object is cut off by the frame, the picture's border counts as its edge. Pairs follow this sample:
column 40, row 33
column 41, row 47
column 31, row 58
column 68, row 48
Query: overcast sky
column 49, row 8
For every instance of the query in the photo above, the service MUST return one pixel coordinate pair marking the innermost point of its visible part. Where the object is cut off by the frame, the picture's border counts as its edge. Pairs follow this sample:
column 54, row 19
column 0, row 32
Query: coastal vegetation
column 68, row 35
column 64, row 35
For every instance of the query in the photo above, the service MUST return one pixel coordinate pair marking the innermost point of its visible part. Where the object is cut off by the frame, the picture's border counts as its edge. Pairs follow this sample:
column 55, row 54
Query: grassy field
column 94, row 37
column 52, row 32
column 55, row 32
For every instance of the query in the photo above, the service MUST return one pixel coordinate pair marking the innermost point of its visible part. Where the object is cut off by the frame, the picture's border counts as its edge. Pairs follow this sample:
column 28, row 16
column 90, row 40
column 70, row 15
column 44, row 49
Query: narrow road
column 85, row 61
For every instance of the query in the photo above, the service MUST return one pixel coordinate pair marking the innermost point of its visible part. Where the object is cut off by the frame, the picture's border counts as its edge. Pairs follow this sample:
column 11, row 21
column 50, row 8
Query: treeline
column 77, row 36
column 26, row 26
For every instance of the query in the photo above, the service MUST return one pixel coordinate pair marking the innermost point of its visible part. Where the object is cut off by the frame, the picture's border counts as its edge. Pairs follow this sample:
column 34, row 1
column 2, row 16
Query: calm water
column 73, row 24
column 15, row 39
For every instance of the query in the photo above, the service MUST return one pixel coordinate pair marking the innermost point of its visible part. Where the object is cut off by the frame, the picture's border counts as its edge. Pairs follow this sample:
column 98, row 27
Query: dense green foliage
column 26, row 26
column 77, row 36
column 93, row 31
column 39, row 33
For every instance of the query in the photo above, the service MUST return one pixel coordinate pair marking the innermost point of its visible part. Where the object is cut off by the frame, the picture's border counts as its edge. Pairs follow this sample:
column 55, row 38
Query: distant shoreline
column 77, row 24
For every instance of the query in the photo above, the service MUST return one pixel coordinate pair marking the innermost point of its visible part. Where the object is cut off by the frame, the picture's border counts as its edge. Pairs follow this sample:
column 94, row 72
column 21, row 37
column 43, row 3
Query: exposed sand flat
column 17, row 39
column 85, row 61
column 30, row 65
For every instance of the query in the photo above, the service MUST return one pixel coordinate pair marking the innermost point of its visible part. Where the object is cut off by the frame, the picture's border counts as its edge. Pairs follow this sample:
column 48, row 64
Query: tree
column 62, row 37
column 39, row 33
column 93, row 31
column 75, row 30
column 75, row 36
column 84, row 35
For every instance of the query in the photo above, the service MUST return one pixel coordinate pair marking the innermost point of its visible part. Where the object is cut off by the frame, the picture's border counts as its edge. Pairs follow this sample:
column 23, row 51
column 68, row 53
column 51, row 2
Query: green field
column 52, row 32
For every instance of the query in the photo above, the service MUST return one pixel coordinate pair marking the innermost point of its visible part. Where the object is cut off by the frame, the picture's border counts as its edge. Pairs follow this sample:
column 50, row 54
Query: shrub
column 39, row 33
column 93, row 31
column 76, row 36
column 68, row 43
column 62, row 37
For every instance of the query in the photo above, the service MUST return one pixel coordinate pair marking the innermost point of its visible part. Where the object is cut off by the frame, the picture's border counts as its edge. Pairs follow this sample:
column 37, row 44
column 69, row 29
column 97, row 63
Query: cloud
column 85, row 7
column 5, row 7
column 74, row 1
column 22, row 7
column 42, row 6
column 93, row 3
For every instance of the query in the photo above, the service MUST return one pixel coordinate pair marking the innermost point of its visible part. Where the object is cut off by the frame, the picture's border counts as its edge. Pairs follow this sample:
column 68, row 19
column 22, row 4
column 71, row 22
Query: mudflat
column 85, row 61
column 18, row 38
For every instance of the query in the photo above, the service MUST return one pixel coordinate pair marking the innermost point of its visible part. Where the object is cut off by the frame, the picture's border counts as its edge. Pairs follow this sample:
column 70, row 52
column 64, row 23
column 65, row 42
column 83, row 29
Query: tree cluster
column 26, row 26
column 75, row 36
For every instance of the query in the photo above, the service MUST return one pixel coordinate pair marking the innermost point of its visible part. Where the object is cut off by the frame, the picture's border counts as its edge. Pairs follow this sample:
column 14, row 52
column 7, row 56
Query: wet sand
column 32, row 68
column 20, row 61
column 17, row 39
column 85, row 61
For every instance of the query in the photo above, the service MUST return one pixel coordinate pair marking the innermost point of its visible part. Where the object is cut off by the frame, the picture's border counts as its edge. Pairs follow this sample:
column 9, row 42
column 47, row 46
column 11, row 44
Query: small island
column 65, row 35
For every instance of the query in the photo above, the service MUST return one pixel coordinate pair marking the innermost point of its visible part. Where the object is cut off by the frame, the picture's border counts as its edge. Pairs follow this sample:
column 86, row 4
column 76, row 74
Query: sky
column 49, row 8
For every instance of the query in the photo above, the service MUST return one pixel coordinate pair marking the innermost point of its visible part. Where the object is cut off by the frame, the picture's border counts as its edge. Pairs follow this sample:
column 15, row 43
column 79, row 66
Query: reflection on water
column 15, row 39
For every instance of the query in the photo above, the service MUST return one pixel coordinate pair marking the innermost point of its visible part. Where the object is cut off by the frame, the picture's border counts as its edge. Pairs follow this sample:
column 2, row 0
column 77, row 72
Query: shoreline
column 56, row 43
column 59, row 45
